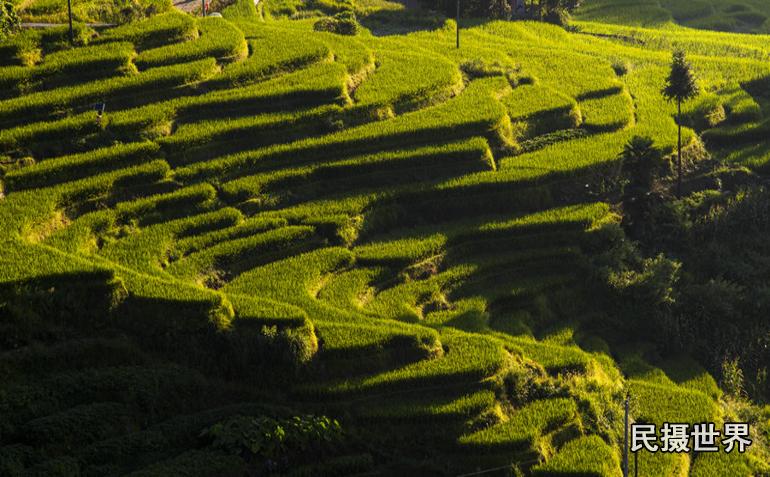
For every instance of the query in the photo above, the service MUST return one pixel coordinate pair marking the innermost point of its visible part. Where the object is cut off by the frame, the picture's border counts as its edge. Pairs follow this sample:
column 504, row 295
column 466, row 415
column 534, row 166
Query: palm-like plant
column 640, row 158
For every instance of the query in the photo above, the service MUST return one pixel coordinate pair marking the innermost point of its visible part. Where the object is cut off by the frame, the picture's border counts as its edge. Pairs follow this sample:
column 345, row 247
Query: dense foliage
column 9, row 20
column 342, row 23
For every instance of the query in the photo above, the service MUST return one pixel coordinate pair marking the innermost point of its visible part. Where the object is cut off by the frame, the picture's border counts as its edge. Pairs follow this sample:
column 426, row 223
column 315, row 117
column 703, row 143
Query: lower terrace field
column 751, row 16
column 278, row 244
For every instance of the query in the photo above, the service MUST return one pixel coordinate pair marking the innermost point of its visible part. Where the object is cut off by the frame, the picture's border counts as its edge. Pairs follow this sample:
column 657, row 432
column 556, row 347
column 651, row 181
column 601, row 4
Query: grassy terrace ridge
column 283, row 251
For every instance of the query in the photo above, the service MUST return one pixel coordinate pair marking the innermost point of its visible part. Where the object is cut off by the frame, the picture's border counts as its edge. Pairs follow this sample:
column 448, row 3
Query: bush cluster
column 343, row 23
column 9, row 20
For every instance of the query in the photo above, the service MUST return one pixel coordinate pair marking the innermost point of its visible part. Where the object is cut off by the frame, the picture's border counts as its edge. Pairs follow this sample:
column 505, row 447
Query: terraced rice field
column 89, row 11
column 272, row 221
column 729, row 16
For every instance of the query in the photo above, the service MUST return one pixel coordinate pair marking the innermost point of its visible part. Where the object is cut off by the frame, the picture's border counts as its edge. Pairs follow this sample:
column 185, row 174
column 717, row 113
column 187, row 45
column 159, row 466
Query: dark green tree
column 680, row 87
column 640, row 161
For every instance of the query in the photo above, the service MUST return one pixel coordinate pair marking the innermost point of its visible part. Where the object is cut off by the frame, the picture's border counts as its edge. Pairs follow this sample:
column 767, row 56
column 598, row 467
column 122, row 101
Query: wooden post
column 679, row 151
column 625, row 441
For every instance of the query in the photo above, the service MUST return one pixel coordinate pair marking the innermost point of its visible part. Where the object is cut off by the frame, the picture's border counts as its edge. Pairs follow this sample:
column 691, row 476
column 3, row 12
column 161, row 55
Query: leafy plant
column 9, row 20
column 270, row 438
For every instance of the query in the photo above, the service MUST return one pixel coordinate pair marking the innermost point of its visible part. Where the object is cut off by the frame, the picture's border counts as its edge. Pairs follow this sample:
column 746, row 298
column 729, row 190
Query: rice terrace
column 357, row 237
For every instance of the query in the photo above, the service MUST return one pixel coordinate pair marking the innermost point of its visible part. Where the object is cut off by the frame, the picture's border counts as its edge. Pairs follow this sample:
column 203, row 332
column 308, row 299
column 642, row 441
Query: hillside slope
column 271, row 225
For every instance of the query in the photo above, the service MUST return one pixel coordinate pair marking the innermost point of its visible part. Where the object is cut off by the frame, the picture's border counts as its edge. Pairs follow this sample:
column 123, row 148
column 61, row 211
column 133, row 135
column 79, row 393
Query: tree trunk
column 679, row 151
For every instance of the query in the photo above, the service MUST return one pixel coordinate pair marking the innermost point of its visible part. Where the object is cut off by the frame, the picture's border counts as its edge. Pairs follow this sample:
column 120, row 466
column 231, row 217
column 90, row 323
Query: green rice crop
column 242, row 10
column 397, row 167
column 243, row 219
column 98, row 11
column 486, row 116
column 68, row 67
column 241, row 254
column 146, row 208
column 348, row 290
column 68, row 168
column 305, row 271
column 468, row 359
column 588, row 455
column 429, row 410
column 274, row 52
column 392, row 86
column 524, row 427
column 400, row 252
column 708, row 464
column 542, row 109
column 117, row 92
column 608, row 113
column 218, row 39
column 199, row 140
column 172, row 27
column 357, row 340
column 661, row 403
column 27, row 47
column 193, row 243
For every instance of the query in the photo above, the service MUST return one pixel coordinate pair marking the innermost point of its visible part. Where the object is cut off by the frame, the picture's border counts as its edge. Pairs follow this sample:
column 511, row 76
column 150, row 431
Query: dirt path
column 54, row 25
column 187, row 5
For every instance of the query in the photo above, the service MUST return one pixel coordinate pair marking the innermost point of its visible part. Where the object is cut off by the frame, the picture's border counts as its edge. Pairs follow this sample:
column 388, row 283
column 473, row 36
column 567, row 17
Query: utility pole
column 69, row 11
column 458, row 24
column 636, row 464
column 625, row 440
column 203, row 7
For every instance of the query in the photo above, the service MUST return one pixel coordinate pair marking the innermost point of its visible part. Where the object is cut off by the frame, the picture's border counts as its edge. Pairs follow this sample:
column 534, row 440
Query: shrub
column 557, row 16
column 9, row 20
column 343, row 23
column 276, row 443
column 732, row 377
